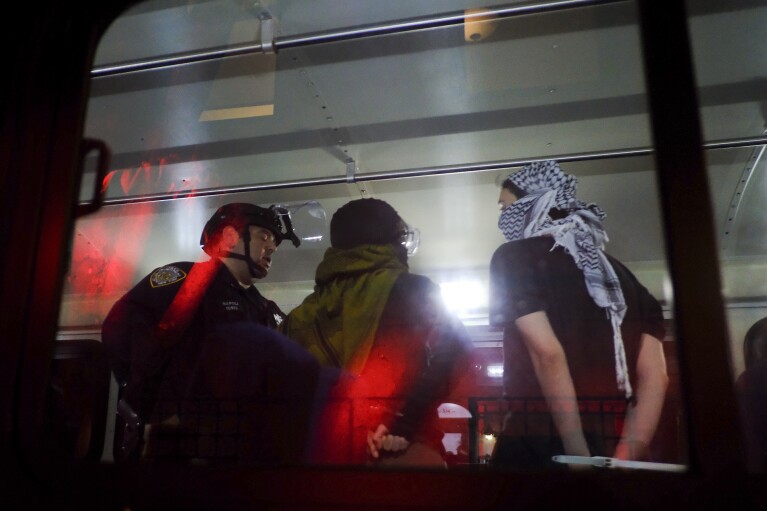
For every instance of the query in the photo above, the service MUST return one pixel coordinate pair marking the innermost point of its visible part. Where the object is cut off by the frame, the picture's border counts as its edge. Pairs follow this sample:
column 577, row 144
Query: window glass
column 729, row 58
column 430, row 121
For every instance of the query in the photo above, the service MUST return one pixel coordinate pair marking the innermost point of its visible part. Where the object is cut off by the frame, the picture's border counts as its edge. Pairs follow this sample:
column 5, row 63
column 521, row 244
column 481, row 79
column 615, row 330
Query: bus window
column 731, row 110
column 280, row 103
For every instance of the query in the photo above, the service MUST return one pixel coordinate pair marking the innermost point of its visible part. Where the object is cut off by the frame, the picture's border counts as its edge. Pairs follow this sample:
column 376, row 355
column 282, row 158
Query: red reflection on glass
column 107, row 180
column 149, row 178
column 359, row 403
column 105, row 252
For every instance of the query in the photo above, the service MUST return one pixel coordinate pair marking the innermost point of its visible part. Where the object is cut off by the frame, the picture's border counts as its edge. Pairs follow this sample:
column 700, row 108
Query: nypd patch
column 166, row 275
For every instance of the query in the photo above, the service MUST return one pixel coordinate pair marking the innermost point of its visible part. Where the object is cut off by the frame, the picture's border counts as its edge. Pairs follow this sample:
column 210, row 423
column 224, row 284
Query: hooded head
column 372, row 222
column 365, row 222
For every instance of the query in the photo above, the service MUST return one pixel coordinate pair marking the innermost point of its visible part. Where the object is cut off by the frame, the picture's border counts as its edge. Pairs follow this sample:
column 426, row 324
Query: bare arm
column 642, row 418
column 551, row 369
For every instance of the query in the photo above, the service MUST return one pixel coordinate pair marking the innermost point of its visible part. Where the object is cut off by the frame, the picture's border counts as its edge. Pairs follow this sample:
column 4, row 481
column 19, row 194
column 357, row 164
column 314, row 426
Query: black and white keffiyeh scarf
column 580, row 233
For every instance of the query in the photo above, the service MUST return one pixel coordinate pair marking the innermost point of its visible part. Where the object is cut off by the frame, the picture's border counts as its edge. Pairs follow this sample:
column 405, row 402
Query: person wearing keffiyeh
column 576, row 322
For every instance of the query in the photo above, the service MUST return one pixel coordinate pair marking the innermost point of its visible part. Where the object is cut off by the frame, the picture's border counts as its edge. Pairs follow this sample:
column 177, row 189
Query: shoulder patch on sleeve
column 166, row 275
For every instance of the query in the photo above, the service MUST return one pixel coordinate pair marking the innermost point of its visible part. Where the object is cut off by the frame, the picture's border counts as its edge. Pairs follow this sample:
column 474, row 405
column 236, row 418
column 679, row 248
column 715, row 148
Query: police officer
column 155, row 334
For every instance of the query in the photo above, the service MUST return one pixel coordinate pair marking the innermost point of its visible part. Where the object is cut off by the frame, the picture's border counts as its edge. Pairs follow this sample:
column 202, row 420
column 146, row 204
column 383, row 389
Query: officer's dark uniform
column 135, row 331
column 165, row 335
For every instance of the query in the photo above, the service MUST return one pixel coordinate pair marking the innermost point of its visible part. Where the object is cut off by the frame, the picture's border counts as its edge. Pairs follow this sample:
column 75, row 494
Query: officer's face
column 262, row 246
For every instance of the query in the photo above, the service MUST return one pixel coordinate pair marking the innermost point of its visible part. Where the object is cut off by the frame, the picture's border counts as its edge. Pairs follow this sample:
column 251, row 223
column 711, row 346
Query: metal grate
column 530, row 416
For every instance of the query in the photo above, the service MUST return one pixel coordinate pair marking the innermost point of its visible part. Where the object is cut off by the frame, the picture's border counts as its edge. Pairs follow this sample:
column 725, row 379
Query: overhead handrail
column 344, row 34
column 356, row 177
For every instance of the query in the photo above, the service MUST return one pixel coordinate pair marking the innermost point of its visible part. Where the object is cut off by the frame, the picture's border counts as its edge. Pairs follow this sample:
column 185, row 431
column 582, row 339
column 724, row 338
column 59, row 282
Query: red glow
column 359, row 404
column 107, row 181
column 105, row 251
column 148, row 178
column 186, row 301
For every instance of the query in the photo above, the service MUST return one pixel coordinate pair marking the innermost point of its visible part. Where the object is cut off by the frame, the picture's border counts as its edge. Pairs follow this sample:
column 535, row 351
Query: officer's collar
column 229, row 277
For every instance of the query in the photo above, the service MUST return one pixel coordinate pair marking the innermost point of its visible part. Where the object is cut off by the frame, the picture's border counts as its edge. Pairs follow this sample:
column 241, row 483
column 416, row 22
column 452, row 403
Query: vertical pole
column 702, row 335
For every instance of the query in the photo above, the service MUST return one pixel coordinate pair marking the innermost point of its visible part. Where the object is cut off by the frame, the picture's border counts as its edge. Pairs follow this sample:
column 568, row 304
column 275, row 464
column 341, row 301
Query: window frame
column 41, row 139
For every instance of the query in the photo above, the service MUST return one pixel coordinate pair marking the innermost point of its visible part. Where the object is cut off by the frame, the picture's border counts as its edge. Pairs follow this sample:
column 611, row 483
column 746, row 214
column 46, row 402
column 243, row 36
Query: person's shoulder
column 754, row 379
column 414, row 282
column 617, row 263
column 529, row 247
column 413, row 298
column 169, row 275
column 622, row 271
column 412, row 288
column 156, row 289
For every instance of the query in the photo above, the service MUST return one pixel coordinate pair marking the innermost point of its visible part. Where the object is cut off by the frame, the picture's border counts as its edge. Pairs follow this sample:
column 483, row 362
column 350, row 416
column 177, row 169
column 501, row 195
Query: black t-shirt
column 529, row 276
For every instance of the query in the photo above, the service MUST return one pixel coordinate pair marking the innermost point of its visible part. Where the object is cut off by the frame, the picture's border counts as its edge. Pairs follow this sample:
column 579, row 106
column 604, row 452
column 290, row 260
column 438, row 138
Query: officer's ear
column 229, row 237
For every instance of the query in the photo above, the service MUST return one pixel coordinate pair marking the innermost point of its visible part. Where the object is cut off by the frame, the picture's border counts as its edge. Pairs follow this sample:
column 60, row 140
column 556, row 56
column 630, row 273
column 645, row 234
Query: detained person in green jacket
column 389, row 333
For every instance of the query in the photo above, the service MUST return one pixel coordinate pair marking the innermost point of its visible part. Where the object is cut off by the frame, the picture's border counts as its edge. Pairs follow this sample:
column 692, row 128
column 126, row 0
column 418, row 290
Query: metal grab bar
column 344, row 34
column 425, row 171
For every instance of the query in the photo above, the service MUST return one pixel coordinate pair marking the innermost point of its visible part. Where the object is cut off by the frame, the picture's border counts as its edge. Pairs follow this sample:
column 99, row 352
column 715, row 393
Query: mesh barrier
column 602, row 419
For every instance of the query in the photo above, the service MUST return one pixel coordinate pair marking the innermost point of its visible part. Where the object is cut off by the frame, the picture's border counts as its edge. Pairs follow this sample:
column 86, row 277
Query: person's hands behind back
column 380, row 440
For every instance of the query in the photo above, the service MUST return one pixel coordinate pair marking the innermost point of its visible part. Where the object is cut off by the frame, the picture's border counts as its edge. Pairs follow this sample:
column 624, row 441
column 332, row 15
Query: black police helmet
column 240, row 215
